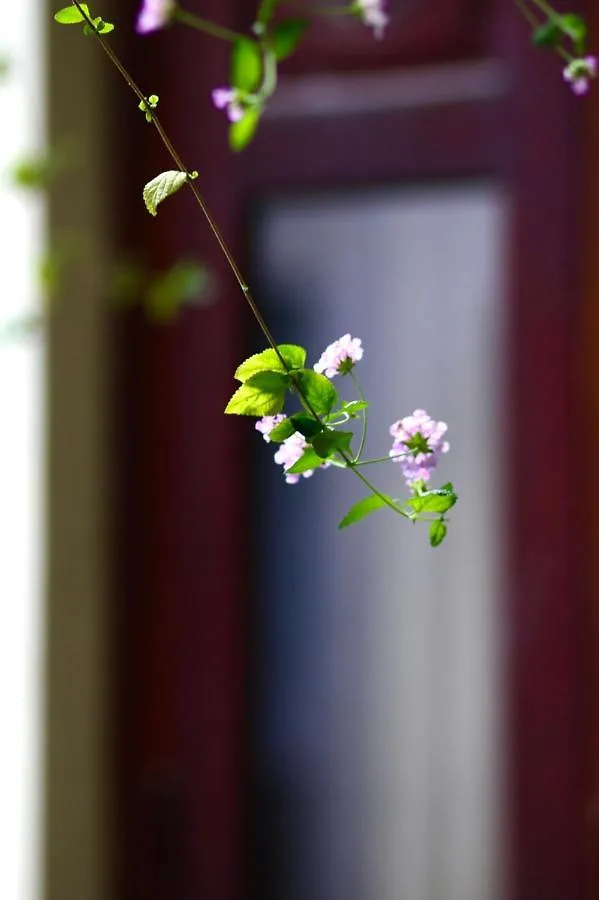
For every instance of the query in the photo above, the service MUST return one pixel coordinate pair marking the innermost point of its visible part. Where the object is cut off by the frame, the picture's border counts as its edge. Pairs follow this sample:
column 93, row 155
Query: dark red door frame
column 180, row 529
column 180, row 589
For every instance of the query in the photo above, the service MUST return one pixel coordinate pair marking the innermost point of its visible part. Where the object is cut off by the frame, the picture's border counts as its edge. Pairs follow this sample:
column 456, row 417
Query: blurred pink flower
column 228, row 99
column 373, row 14
column 579, row 73
column 153, row 15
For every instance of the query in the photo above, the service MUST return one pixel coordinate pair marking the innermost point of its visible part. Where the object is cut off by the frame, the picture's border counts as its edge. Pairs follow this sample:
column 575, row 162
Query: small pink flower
column 153, row 15
column 288, row 454
column 373, row 14
column 579, row 73
column 340, row 356
column 267, row 423
column 418, row 443
column 228, row 99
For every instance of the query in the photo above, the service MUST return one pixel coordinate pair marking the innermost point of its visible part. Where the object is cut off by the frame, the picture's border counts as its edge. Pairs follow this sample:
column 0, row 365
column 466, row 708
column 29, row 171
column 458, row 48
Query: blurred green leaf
column 548, row 34
column 242, row 132
column 183, row 283
column 246, row 65
column 574, row 27
column 287, row 36
column 266, row 11
column 437, row 532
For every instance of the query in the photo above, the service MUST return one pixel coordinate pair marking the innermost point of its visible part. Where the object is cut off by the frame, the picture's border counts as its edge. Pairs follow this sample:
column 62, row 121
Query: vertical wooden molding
column 589, row 381
column 76, row 864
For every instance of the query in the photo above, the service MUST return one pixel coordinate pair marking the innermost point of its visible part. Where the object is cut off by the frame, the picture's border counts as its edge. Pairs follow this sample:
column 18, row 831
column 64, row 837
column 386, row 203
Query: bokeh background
column 207, row 691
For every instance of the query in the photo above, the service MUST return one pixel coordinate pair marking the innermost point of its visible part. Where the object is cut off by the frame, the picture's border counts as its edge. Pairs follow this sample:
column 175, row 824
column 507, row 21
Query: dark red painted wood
column 180, row 587
column 549, row 609
column 181, row 524
column 420, row 31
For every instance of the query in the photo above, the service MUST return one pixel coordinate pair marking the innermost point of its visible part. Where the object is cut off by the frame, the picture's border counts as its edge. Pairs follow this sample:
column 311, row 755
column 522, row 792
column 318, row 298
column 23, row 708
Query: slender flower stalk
column 342, row 356
column 364, row 418
column 192, row 20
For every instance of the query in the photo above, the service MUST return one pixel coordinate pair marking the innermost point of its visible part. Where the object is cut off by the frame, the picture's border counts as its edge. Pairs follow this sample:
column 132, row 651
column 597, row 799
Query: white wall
column 21, row 365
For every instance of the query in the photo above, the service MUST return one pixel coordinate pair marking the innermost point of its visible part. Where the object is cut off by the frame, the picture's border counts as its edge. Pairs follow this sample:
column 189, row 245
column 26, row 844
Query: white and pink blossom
column 418, row 442
column 227, row 98
column 579, row 72
column 153, row 15
column 266, row 424
column 290, row 451
column 340, row 356
column 373, row 13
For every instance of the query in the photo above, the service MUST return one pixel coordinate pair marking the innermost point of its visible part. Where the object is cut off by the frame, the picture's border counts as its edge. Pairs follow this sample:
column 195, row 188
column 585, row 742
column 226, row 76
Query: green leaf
column 33, row 172
column 251, row 400
column 318, row 390
column 547, row 35
column 99, row 27
column 184, row 282
column 363, row 508
column 328, row 442
column 4, row 67
column 433, row 501
column 282, row 431
column 70, row 15
column 352, row 407
column 268, row 361
column 287, row 36
column 306, row 425
column 158, row 189
column 266, row 11
column 437, row 532
column 271, row 382
column 310, row 460
column 246, row 65
column 574, row 27
column 242, row 132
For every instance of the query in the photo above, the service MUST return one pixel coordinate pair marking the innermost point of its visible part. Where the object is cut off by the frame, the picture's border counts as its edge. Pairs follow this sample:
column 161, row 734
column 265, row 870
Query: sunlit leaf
column 363, row 508
column 269, row 361
column 158, row 189
column 70, row 15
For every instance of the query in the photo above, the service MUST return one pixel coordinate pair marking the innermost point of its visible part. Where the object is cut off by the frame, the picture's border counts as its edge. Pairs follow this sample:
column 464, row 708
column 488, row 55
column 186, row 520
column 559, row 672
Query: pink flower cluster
column 153, row 15
column 418, row 442
column 579, row 73
column 228, row 99
column 373, row 14
column 289, row 452
column 340, row 356
column 266, row 424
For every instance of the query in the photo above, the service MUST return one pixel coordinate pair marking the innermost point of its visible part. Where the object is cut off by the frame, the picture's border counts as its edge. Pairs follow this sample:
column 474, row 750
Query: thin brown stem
column 191, row 181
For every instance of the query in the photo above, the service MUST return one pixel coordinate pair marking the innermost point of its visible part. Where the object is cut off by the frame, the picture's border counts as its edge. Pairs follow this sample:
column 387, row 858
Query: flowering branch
column 566, row 34
column 314, row 436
